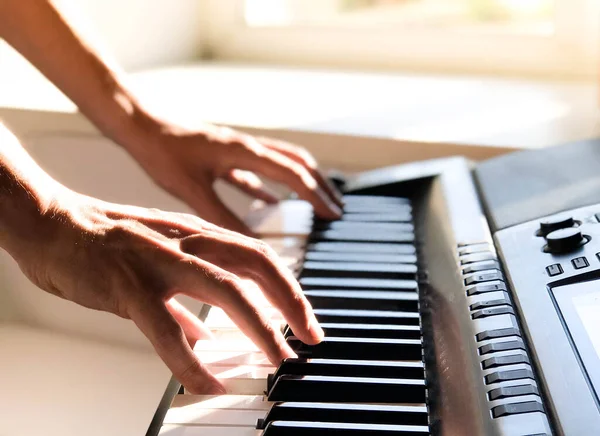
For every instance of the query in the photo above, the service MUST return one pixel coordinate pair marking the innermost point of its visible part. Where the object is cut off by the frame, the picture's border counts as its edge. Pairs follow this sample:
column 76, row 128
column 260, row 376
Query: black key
column 301, row 428
column 334, row 256
column 347, row 413
column 372, row 331
column 400, row 217
column 347, row 389
column 367, row 316
column 353, row 330
column 353, row 283
column 358, row 269
column 364, row 226
column 349, row 368
column 358, row 348
column 362, row 247
column 363, row 299
column 349, row 199
column 377, row 208
column 348, row 235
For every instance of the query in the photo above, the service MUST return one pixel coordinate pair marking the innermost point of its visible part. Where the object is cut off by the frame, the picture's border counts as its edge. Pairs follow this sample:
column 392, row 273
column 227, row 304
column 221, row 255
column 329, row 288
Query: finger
column 249, row 183
column 308, row 161
column 255, row 260
column 282, row 169
column 168, row 339
column 193, row 328
column 210, row 207
column 227, row 291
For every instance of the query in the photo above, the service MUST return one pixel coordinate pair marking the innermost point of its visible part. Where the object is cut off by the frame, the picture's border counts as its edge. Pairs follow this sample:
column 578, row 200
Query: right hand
column 132, row 261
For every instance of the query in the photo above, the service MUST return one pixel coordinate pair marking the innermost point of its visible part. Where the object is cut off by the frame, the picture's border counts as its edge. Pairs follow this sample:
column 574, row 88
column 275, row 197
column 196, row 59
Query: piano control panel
column 553, row 269
column 434, row 325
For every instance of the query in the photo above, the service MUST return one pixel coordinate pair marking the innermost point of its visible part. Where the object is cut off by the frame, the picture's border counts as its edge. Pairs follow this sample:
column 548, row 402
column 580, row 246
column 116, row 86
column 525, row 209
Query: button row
column 506, row 360
column 578, row 263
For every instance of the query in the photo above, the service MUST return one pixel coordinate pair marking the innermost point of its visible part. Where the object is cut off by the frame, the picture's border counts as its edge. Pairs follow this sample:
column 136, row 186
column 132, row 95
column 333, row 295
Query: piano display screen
column 579, row 306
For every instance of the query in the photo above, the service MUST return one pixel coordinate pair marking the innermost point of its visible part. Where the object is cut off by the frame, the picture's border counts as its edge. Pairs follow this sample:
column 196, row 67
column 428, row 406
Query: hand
column 187, row 164
column 132, row 261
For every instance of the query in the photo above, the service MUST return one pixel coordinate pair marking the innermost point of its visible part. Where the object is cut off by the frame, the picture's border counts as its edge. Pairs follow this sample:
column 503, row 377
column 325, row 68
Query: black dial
column 564, row 240
column 551, row 224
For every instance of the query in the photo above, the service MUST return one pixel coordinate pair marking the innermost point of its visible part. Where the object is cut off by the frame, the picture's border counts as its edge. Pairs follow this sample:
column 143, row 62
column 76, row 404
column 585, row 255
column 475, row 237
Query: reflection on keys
column 366, row 377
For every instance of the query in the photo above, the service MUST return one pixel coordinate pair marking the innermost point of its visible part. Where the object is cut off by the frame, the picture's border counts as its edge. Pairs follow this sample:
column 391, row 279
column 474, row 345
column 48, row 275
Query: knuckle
column 118, row 232
column 264, row 251
column 155, row 211
column 306, row 157
column 168, row 334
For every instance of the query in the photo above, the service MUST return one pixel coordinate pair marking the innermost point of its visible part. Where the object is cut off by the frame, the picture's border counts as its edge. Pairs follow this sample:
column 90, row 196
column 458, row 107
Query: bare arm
column 132, row 261
column 186, row 163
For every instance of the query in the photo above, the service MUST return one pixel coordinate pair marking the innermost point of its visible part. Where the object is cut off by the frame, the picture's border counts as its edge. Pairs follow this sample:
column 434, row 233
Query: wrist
column 27, row 193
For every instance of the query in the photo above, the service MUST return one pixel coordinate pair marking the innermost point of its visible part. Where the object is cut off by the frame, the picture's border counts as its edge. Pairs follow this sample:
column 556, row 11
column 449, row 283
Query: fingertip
column 216, row 388
column 316, row 331
column 333, row 212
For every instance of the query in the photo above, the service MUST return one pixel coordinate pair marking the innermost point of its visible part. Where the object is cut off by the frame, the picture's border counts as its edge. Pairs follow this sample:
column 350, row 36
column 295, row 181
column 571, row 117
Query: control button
column 512, row 359
column 513, row 391
column 502, row 310
column 554, row 270
column 580, row 262
column 564, row 240
column 487, row 287
column 513, row 374
column 477, row 257
column 498, row 333
column 491, row 303
column 516, row 408
column 484, row 276
column 480, row 266
column 551, row 224
column 474, row 248
column 516, row 344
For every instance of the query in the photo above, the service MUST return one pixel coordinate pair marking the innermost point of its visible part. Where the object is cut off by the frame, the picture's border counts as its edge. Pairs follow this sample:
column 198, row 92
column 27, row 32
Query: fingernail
column 315, row 330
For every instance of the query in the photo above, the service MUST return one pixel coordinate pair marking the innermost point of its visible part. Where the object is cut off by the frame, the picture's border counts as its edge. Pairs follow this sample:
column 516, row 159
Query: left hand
column 186, row 164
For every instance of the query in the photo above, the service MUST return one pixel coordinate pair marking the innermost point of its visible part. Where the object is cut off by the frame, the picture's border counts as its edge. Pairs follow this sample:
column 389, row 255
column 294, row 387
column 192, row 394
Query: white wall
column 138, row 34
column 143, row 33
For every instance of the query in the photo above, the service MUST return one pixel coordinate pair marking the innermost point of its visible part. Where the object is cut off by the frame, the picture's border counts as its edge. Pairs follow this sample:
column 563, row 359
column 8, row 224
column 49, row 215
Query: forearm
column 26, row 192
column 37, row 30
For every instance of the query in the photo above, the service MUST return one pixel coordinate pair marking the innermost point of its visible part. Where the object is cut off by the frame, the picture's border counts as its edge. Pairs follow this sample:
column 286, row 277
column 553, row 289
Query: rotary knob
column 564, row 240
column 555, row 223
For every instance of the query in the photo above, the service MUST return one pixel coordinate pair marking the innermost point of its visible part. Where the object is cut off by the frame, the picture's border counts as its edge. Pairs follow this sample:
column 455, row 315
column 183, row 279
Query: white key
column 242, row 371
column 229, row 334
column 289, row 249
column 195, row 430
column 235, row 358
column 244, row 385
column 218, row 319
column 209, row 417
column 288, row 217
column 243, row 344
column 242, row 379
column 250, row 402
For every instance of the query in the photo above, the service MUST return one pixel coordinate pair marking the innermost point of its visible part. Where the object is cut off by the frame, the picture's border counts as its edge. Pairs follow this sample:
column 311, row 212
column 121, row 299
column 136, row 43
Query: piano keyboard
column 367, row 377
